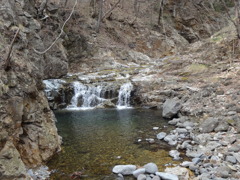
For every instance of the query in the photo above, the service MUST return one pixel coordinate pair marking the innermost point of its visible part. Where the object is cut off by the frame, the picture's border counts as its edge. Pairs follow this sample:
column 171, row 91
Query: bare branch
column 43, row 52
column 7, row 61
column 108, row 13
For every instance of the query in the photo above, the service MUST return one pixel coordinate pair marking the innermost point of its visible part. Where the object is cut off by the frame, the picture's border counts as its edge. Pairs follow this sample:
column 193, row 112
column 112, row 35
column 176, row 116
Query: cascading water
column 124, row 96
column 85, row 97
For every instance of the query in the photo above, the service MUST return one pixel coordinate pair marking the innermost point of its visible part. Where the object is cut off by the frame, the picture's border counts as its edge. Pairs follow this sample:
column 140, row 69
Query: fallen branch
column 7, row 61
column 108, row 13
column 43, row 52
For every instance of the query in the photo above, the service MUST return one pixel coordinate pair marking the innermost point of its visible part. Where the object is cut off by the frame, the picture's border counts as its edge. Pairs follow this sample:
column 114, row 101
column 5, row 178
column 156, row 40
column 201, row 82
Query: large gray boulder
column 151, row 168
column 209, row 125
column 171, row 107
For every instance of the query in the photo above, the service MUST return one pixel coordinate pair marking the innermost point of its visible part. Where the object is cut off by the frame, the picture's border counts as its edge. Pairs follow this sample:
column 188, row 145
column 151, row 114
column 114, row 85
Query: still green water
column 96, row 140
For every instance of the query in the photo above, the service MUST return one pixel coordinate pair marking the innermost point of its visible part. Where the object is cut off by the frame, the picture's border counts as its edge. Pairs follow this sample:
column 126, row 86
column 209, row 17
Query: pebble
column 175, row 154
column 161, row 135
column 150, row 140
column 155, row 128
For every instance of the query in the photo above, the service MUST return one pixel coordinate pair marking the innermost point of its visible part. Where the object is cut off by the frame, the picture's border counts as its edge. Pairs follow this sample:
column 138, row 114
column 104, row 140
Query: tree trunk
column 160, row 12
column 8, row 58
column 100, row 12
column 135, row 5
column 237, row 6
column 109, row 12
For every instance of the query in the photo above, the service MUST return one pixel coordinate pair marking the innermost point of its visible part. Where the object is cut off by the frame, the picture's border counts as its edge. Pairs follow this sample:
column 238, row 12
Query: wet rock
column 124, row 169
column 167, row 176
column 209, row 125
column 175, row 154
column 139, row 171
column 161, row 135
column 171, row 107
column 151, row 168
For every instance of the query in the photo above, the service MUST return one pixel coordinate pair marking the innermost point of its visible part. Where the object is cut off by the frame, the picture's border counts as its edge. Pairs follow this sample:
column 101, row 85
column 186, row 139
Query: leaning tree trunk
column 237, row 10
column 100, row 12
column 160, row 12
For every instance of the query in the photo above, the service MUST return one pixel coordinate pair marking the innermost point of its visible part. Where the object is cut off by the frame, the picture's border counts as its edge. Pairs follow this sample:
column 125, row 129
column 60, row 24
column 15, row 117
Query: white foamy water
column 85, row 97
column 124, row 96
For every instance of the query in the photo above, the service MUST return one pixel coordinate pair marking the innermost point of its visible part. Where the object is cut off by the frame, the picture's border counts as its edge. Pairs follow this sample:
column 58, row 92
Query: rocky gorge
column 187, row 67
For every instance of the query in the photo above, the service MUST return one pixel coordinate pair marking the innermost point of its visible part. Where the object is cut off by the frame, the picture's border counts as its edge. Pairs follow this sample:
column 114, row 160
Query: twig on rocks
column 43, row 52
column 7, row 61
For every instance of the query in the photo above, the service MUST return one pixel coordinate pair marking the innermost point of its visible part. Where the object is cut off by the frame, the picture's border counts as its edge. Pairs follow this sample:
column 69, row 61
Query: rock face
column 171, row 107
column 28, row 135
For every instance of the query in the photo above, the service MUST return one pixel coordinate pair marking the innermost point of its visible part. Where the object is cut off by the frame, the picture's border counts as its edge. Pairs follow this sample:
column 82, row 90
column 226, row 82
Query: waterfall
column 124, row 95
column 85, row 97
column 52, row 86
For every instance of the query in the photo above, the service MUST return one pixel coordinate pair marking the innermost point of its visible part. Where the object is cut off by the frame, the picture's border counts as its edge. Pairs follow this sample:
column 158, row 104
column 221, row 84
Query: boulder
column 209, row 125
column 151, row 168
column 124, row 169
column 171, row 107
column 139, row 171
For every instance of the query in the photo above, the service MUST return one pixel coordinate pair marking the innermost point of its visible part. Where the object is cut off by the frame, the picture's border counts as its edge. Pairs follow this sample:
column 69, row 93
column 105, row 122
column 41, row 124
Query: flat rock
column 151, row 168
column 181, row 172
column 124, row 169
column 161, row 135
column 167, row 176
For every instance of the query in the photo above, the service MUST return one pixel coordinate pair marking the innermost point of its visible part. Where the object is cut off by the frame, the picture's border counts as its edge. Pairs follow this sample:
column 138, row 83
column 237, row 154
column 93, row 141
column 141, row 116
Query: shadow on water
column 96, row 140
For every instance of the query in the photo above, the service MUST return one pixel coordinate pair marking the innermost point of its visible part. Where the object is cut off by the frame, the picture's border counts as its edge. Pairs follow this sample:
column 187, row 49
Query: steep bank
column 28, row 136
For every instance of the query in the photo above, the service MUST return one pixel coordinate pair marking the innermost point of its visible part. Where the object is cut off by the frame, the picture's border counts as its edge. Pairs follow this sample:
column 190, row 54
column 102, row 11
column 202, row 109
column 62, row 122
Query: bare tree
column 236, row 22
column 112, row 8
column 8, row 58
column 160, row 14
column 100, row 12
